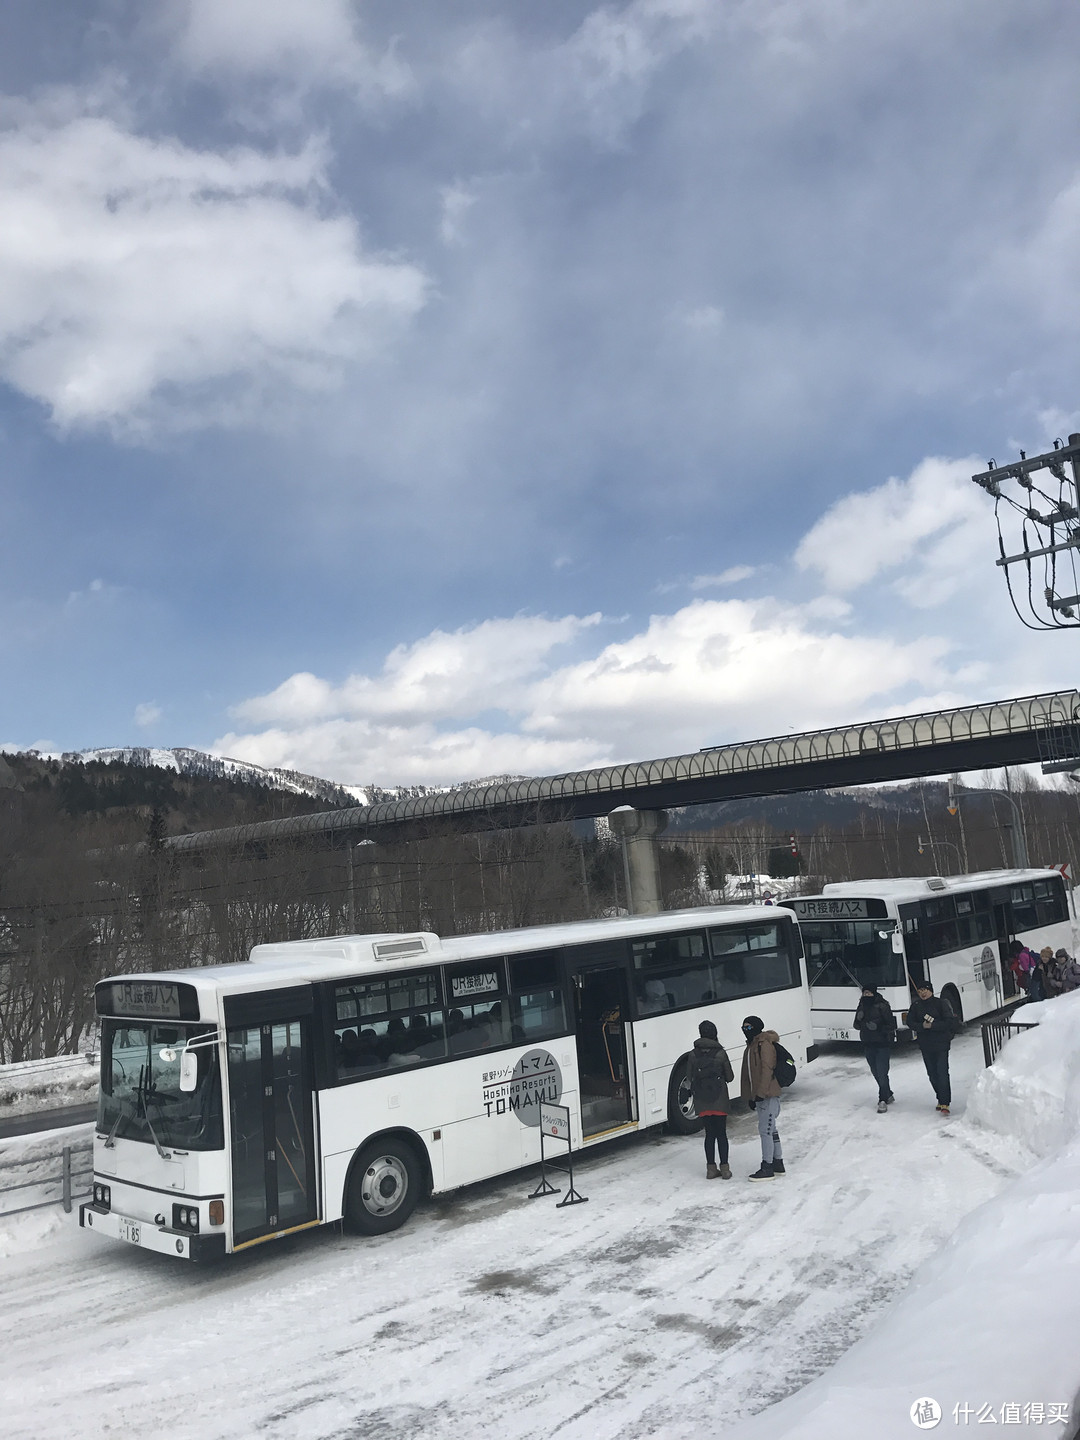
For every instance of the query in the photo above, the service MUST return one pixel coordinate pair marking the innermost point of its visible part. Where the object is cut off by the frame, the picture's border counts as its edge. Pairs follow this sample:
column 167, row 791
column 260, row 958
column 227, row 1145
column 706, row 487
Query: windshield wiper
column 110, row 1142
column 146, row 1095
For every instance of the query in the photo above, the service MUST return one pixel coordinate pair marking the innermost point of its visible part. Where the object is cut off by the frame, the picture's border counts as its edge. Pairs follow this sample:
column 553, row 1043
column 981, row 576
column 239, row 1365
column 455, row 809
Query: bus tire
column 385, row 1184
column 682, row 1117
column 950, row 996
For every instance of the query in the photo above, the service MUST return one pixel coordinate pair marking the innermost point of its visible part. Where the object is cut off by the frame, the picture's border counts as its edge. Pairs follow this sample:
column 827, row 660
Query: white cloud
column 712, row 670
column 457, row 201
column 147, row 714
column 500, row 696
column 731, row 576
column 141, row 279
column 313, row 42
column 449, row 674
column 935, row 524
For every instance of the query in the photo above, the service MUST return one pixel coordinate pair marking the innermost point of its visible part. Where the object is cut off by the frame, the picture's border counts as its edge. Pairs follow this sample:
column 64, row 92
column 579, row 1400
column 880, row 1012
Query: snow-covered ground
column 667, row 1306
column 35, row 1085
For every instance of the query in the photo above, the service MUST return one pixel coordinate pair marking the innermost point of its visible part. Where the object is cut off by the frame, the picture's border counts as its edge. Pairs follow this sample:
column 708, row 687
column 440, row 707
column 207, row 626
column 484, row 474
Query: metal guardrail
column 73, row 1176
column 996, row 1032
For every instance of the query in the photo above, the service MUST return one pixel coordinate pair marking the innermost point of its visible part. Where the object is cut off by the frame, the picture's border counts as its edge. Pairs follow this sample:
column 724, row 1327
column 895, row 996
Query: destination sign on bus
column 479, row 983
column 831, row 909
column 148, row 1000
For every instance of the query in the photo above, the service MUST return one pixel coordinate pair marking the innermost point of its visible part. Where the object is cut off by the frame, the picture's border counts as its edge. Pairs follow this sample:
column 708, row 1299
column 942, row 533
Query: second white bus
column 346, row 1078
column 955, row 930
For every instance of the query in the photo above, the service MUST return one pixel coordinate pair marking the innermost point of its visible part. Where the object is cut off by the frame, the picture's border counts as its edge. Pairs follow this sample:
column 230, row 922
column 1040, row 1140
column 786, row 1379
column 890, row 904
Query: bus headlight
column 103, row 1196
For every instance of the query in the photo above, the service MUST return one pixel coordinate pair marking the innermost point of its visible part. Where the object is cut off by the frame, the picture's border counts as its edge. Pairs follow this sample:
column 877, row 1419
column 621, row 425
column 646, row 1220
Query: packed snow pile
column 1032, row 1090
column 33, row 1085
column 988, row 1331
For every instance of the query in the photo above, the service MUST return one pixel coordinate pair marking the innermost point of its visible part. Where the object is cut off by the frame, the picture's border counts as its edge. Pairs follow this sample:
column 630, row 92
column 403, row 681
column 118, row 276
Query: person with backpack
column 710, row 1073
column 1021, row 963
column 760, row 1088
column 933, row 1025
column 876, row 1025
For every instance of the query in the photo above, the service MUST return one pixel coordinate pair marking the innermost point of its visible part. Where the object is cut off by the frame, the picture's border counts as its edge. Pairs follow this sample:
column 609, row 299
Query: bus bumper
column 148, row 1236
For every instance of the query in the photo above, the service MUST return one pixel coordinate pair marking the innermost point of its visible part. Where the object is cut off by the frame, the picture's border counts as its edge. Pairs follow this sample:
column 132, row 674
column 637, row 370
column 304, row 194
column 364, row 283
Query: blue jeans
column 877, row 1057
column 768, row 1112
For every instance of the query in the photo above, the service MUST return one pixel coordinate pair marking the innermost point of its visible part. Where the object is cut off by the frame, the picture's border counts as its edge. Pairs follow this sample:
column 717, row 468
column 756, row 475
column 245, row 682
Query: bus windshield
column 141, row 1097
column 852, row 953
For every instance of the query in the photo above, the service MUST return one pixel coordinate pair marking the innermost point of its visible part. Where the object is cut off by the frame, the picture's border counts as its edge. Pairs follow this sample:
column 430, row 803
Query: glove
column 751, row 1104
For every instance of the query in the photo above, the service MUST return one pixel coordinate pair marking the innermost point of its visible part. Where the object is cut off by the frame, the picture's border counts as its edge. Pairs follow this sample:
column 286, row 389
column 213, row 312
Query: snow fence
column 990, row 1325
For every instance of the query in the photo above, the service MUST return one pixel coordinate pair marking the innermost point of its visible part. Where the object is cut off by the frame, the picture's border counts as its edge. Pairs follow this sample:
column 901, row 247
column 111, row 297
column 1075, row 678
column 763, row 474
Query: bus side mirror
column 189, row 1070
column 897, row 943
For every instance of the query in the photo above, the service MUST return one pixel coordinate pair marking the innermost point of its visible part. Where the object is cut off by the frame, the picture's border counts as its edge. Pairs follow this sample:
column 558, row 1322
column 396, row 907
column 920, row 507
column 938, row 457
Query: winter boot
column 711, row 1172
column 765, row 1173
column 943, row 1110
column 882, row 1106
column 725, row 1171
column 778, row 1167
column 889, row 1098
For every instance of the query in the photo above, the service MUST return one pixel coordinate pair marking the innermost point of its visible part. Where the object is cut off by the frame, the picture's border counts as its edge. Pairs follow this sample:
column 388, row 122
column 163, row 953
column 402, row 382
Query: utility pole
column 1052, row 521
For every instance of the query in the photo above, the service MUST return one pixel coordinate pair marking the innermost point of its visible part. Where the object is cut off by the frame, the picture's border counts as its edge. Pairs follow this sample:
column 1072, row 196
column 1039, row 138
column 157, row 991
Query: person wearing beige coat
column 761, row 1091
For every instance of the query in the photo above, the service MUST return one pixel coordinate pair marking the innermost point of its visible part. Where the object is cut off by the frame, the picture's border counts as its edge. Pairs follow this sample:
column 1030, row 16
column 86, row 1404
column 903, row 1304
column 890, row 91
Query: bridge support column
column 638, row 832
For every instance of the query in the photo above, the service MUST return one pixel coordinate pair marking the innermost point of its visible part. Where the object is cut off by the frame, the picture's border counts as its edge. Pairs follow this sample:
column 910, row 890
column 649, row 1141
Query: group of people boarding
column 1046, row 974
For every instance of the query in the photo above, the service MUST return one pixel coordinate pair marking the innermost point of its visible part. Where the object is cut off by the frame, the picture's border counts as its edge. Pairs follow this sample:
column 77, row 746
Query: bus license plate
column 130, row 1232
column 835, row 1034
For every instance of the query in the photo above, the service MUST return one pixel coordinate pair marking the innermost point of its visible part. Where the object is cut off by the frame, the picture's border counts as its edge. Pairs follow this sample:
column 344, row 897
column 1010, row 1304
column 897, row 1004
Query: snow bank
column 1032, row 1091
column 993, row 1319
column 33, row 1085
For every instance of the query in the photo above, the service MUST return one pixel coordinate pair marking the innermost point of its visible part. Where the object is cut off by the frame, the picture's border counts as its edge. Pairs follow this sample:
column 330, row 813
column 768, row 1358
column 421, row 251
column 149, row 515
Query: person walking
column 761, row 1091
column 933, row 1024
column 710, row 1074
column 876, row 1025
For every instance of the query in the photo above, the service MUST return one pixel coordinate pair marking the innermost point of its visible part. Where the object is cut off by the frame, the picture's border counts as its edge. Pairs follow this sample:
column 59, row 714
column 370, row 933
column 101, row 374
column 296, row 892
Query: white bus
column 955, row 931
column 346, row 1078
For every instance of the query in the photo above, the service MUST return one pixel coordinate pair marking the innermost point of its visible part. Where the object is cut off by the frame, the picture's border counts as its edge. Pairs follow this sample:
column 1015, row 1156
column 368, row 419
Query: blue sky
column 412, row 391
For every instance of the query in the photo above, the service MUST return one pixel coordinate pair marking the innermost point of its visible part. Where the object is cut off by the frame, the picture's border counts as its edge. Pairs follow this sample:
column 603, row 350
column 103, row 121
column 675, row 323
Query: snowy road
column 666, row 1306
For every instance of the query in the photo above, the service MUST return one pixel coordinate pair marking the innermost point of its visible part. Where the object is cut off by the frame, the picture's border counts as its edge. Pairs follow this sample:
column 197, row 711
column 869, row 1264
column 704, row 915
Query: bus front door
column 601, row 1004
column 1002, row 925
column 271, row 1129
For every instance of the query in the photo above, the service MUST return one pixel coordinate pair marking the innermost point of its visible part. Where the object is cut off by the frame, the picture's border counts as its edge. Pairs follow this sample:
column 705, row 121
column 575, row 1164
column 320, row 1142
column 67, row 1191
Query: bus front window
column 141, row 1098
column 852, row 953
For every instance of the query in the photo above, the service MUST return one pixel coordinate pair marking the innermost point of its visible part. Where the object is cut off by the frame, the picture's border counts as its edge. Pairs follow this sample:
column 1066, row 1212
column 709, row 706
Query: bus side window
column 537, row 1004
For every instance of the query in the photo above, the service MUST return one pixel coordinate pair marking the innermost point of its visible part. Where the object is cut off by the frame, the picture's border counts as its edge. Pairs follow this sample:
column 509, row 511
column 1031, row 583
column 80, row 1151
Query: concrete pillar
column 638, row 831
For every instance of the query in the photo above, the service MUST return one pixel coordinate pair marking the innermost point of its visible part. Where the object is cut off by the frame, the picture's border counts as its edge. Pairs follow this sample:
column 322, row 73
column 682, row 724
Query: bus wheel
column 384, row 1186
column 950, row 996
column 682, row 1117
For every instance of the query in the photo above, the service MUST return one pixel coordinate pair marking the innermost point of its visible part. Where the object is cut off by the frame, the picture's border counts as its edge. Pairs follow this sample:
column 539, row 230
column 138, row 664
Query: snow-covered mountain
column 197, row 762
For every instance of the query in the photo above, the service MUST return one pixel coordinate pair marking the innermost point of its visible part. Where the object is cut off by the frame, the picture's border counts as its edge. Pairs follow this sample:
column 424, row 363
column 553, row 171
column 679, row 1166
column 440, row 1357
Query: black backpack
column 785, row 1066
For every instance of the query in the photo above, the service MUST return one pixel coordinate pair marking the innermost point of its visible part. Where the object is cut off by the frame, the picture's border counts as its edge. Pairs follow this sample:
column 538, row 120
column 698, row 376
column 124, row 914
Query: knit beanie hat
column 707, row 1030
column 753, row 1025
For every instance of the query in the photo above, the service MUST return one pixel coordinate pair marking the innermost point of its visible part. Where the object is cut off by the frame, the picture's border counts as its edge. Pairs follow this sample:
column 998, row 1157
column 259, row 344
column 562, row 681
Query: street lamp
column 1015, row 827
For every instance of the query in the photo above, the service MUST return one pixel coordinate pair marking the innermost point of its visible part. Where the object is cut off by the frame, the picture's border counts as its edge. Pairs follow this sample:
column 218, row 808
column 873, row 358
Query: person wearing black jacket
column 710, row 1073
column 933, row 1024
column 876, row 1025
